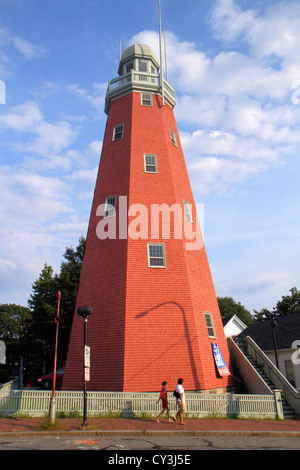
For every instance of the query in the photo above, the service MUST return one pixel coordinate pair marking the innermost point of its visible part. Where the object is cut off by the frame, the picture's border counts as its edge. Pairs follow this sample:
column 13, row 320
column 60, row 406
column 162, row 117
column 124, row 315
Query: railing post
column 278, row 404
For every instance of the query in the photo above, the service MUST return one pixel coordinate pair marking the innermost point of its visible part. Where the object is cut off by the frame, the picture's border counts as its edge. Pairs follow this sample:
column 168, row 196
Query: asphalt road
column 154, row 444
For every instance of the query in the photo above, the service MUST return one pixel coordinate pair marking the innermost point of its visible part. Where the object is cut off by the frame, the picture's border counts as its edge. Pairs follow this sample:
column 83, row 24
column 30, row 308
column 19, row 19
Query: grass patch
column 68, row 415
column 46, row 425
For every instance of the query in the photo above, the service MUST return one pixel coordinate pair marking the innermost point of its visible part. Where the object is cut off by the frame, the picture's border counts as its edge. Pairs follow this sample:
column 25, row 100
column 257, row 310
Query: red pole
column 55, row 350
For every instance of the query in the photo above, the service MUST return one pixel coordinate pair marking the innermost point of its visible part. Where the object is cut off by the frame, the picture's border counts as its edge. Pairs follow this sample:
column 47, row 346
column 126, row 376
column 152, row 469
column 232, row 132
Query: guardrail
column 291, row 395
column 36, row 403
column 8, row 386
column 138, row 81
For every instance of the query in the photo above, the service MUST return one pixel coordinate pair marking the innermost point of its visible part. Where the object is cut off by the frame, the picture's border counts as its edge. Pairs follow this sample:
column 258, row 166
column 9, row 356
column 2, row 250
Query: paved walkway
column 138, row 426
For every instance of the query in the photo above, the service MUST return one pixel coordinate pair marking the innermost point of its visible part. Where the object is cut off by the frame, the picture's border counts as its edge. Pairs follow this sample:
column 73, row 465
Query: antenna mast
column 161, row 61
column 166, row 55
column 120, row 46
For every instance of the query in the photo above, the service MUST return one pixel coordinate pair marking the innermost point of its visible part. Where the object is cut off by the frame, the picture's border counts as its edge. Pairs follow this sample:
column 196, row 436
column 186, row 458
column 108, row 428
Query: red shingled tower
column 145, row 270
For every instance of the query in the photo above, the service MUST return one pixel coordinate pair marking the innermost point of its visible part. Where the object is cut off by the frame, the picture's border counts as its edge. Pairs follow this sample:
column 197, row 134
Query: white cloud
column 95, row 98
column 42, row 194
column 22, row 118
column 30, row 51
column 240, row 105
column 40, row 215
column 229, row 21
column 21, row 45
column 272, row 35
column 29, row 202
column 95, row 147
column 51, row 137
column 29, row 199
column 48, row 139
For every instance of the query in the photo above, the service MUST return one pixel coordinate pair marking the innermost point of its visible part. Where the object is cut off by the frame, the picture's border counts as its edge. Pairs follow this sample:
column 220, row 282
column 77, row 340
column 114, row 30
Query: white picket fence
column 36, row 403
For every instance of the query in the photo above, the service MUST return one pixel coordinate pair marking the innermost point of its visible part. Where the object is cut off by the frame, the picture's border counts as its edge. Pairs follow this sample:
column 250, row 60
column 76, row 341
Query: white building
column 233, row 326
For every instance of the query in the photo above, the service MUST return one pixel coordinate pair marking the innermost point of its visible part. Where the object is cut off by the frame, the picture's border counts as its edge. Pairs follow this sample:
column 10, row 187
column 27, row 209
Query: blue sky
column 236, row 73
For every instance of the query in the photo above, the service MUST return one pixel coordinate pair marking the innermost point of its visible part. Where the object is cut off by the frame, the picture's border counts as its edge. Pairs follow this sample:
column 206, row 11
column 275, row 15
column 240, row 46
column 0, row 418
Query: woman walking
column 164, row 400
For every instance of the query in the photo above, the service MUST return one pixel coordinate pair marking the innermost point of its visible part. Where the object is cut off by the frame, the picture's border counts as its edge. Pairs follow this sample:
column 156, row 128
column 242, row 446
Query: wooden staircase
column 288, row 411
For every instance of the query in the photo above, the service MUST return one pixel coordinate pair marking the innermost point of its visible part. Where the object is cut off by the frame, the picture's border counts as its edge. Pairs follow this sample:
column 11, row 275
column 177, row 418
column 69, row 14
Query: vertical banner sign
column 87, row 354
column 86, row 374
column 220, row 363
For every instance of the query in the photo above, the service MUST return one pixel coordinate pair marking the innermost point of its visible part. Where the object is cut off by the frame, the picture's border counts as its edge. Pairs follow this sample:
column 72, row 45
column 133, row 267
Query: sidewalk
column 148, row 426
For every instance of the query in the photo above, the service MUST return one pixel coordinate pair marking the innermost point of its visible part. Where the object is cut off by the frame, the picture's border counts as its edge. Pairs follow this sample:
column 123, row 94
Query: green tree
column 288, row 305
column 69, row 278
column 43, row 305
column 228, row 307
column 14, row 324
column 263, row 314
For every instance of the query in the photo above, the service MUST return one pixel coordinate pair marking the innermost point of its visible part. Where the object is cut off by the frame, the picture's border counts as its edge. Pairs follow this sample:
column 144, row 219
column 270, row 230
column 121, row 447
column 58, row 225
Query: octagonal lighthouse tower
column 145, row 271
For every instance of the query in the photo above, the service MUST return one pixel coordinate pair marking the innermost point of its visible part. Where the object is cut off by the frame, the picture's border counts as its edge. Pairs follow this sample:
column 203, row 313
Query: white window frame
column 143, row 65
column 152, row 257
column 110, row 206
column 173, row 137
column 145, row 100
column 148, row 164
column 118, row 132
column 188, row 211
column 210, row 325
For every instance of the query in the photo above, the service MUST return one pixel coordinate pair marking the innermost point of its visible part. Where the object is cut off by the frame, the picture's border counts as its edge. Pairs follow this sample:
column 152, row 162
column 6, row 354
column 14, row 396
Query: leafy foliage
column 44, row 304
column 30, row 332
column 14, row 324
column 228, row 307
column 288, row 305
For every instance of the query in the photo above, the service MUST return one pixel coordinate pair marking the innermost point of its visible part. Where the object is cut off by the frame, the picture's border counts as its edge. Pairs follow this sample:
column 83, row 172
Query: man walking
column 180, row 401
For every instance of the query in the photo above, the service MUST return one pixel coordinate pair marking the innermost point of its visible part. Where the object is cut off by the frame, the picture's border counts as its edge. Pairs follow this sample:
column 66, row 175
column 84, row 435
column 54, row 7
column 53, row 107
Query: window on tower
column 142, row 66
column 118, row 132
column 210, row 325
column 110, row 206
column 173, row 137
column 146, row 99
column 156, row 255
column 150, row 162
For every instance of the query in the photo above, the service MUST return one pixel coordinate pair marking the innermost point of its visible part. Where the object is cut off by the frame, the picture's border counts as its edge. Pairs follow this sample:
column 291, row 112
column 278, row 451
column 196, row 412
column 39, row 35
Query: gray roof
column 138, row 50
column 286, row 332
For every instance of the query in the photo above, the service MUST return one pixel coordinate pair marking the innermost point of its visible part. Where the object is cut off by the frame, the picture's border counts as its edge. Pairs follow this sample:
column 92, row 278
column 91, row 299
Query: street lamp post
column 274, row 324
column 84, row 312
column 52, row 409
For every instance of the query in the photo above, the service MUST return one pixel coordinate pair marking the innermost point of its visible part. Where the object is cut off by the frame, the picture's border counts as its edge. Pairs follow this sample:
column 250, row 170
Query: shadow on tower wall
column 187, row 335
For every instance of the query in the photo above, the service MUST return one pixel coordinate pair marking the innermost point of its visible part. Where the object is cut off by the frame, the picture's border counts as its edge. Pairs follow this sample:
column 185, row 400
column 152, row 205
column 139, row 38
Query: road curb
column 127, row 433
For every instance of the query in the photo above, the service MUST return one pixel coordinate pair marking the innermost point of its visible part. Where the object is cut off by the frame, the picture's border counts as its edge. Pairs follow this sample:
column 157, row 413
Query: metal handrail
column 277, row 378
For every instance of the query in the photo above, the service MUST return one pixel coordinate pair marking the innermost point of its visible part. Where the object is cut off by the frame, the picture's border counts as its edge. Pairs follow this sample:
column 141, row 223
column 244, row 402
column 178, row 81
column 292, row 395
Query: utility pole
column 52, row 409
